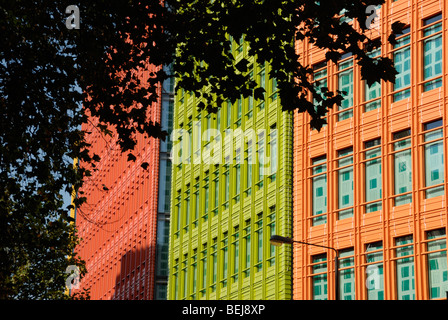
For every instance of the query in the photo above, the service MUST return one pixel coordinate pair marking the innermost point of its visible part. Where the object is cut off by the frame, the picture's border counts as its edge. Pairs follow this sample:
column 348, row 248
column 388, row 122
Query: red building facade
column 123, row 226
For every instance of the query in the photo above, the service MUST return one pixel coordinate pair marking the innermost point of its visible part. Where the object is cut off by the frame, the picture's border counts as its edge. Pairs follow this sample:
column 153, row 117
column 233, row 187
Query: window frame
column 437, row 79
column 423, row 144
column 314, row 275
column 316, row 218
column 365, row 162
column 340, row 113
column 338, row 170
column 377, row 101
column 427, row 252
column 393, row 154
column 405, row 90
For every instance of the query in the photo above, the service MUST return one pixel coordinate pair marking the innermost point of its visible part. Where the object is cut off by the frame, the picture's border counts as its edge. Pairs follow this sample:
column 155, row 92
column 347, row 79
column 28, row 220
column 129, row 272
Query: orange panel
column 362, row 228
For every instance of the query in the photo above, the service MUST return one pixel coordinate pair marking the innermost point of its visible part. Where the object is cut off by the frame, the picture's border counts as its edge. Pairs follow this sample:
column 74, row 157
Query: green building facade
column 231, row 190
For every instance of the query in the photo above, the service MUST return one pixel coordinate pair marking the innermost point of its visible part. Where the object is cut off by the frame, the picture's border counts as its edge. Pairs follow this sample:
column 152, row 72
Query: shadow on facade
column 136, row 278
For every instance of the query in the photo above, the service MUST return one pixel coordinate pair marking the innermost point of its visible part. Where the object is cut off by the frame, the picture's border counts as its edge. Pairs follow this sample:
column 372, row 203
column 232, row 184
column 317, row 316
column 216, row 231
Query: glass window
column 218, row 120
column 432, row 52
column 189, row 144
column 262, row 81
column 271, row 228
column 402, row 63
column 261, row 159
column 436, row 262
column 273, row 85
column 160, row 291
column 402, row 167
column 319, row 276
column 405, row 268
column 372, row 171
column 166, row 122
column 185, row 277
column 319, row 188
column 214, row 263
column 178, row 211
column 164, row 185
column 163, row 232
column 177, row 152
column 239, row 110
column 194, row 270
column 226, row 186
column 176, row 279
column 237, row 172
column 240, row 44
column 320, row 81
column 225, row 258
column 345, row 183
column 187, row 209
column 320, row 84
column 216, row 190
column 206, row 197
column 196, row 204
column 208, row 127
column 250, row 99
column 236, row 253
column 434, row 166
column 374, row 271
column 345, row 84
column 347, row 274
column 372, row 94
column 259, row 242
column 228, row 113
column 204, row 269
column 198, row 133
column 273, row 152
column 247, row 248
column 248, row 162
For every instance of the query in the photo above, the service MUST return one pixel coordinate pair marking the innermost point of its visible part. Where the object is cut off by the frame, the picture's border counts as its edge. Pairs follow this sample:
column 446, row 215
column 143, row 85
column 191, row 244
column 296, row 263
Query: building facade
column 372, row 183
column 231, row 190
column 124, row 224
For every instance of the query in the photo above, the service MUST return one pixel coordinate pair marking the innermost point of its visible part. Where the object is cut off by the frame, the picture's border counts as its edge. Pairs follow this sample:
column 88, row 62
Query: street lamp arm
column 316, row 245
column 277, row 240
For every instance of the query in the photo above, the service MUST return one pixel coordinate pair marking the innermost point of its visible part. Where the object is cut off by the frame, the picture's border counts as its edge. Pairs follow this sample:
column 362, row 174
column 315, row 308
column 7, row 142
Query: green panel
column 234, row 196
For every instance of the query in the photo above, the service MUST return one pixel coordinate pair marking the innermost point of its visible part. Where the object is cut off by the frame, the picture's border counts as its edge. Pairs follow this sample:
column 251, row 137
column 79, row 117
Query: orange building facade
column 372, row 183
column 124, row 224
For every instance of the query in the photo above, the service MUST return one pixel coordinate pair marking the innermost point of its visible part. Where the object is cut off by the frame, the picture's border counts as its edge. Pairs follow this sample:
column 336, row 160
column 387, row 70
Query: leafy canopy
column 54, row 79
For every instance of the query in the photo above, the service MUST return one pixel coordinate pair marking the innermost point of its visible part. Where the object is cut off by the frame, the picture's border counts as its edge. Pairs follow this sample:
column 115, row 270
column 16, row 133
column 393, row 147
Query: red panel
column 118, row 225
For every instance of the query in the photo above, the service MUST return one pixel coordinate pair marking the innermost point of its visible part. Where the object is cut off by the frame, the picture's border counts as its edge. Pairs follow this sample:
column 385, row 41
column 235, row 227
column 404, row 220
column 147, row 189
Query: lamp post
column 279, row 240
